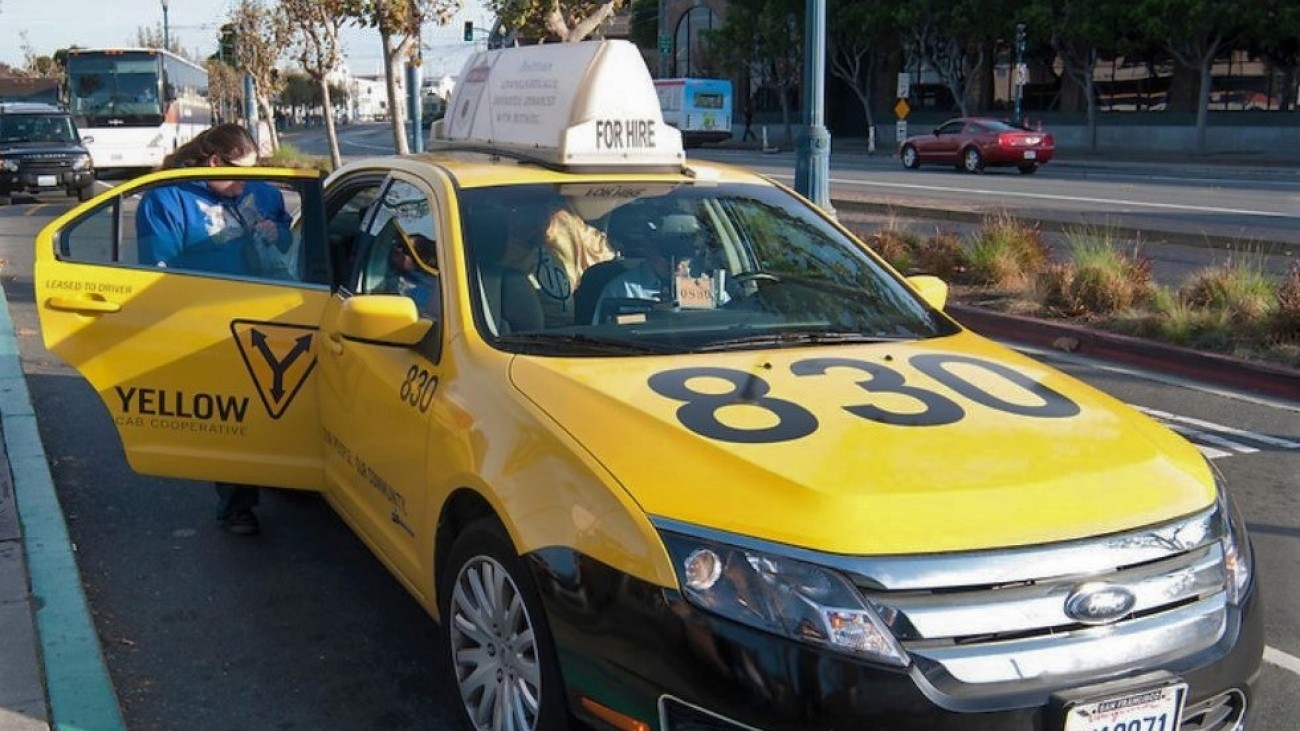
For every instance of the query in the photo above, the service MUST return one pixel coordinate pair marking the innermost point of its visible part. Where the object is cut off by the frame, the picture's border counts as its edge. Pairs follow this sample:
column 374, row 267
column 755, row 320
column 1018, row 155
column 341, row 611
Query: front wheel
column 498, row 646
column 972, row 161
column 911, row 160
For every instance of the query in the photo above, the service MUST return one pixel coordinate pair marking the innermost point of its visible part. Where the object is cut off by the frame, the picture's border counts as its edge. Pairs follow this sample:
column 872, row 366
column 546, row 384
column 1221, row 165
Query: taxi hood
column 940, row 445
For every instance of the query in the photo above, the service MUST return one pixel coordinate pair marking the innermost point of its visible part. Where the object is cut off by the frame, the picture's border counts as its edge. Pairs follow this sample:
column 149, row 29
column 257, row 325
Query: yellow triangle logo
column 279, row 357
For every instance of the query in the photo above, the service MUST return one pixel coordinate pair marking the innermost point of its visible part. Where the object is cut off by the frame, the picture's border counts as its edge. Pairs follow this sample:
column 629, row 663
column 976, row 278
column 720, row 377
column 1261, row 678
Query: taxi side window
column 399, row 255
column 346, row 211
column 189, row 227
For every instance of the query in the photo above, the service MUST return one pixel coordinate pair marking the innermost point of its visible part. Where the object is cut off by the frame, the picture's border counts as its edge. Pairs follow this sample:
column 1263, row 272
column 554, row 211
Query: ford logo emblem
column 1099, row 603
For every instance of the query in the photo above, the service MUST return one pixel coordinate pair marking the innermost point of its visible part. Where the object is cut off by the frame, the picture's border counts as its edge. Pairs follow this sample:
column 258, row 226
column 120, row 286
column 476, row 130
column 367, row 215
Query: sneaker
column 242, row 523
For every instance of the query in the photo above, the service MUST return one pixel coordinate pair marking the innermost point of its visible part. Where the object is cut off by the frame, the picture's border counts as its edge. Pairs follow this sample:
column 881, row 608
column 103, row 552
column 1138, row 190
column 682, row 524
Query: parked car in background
column 974, row 143
column 41, row 151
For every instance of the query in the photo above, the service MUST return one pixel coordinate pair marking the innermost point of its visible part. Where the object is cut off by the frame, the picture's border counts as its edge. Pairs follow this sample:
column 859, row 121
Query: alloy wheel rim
column 909, row 156
column 972, row 160
column 494, row 649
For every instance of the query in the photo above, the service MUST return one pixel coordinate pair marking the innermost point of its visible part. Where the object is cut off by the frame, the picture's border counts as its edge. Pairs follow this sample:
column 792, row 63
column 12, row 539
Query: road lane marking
column 1264, row 438
column 1274, row 656
column 1213, row 439
column 1110, row 203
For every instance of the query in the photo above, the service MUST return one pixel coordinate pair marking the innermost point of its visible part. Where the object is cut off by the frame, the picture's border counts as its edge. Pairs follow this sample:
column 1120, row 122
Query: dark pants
column 233, row 499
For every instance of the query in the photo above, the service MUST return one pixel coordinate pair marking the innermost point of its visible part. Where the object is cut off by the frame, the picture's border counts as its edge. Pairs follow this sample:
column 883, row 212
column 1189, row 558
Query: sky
column 49, row 25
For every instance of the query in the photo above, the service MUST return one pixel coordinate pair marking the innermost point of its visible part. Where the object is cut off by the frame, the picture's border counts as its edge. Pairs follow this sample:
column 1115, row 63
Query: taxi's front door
column 378, row 399
column 206, row 362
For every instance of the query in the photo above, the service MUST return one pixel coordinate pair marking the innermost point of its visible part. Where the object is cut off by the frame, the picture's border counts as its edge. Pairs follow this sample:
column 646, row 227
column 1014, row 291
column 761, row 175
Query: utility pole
column 812, row 164
column 1021, row 73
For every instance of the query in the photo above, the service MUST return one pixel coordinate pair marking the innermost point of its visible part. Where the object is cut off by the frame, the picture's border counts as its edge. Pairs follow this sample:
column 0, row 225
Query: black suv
column 40, row 150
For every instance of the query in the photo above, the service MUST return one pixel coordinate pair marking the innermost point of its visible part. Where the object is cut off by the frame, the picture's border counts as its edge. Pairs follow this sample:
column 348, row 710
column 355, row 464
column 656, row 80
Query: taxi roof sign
column 575, row 105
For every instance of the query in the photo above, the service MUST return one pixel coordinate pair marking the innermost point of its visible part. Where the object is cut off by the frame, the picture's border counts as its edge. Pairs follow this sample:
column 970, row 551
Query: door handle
column 83, row 306
column 335, row 343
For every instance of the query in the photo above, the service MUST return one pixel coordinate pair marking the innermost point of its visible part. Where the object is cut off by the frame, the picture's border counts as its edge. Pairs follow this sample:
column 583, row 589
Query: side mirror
column 936, row 131
column 388, row 319
column 932, row 289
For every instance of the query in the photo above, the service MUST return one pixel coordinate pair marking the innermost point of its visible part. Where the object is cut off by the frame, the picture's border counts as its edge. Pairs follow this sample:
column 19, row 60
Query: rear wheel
column 911, row 160
column 971, row 160
column 496, row 641
column 1028, row 168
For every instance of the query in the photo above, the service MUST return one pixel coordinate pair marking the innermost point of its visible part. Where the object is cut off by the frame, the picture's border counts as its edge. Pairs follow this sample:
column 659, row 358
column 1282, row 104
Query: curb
column 1222, row 370
column 78, row 689
column 1198, row 239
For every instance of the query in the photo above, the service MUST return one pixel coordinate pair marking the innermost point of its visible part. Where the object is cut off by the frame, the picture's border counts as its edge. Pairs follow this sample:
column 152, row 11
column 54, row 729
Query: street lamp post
column 1018, row 75
column 812, row 163
column 167, row 39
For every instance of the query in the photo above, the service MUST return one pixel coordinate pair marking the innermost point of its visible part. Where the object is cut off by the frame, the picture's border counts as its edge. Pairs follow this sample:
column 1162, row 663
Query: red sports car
column 973, row 143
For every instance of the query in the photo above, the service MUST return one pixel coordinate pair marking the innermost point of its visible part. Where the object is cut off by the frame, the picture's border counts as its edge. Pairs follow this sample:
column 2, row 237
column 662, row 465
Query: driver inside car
column 674, row 273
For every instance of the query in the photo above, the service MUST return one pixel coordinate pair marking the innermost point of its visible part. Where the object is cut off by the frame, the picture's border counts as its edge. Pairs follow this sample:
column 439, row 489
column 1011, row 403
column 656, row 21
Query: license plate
column 47, row 181
column 1157, row 709
column 1031, row 154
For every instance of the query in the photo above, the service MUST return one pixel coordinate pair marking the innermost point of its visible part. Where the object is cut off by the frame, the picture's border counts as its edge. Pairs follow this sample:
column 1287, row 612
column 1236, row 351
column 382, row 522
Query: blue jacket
column 189, row 226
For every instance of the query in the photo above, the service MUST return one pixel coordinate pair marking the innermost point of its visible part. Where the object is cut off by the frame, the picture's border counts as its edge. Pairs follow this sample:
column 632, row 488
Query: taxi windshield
column 629, row 268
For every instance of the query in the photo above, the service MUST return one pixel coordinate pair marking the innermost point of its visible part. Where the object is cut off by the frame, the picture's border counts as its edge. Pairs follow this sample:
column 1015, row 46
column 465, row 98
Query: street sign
column 1022, row 74
column 901, row 109
column 900, row 130
column 665, row 43
column 904, row 85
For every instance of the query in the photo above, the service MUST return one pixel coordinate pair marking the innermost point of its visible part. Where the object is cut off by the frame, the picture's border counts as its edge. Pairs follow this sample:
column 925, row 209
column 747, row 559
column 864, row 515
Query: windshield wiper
column 594, row 343
column 793, row 338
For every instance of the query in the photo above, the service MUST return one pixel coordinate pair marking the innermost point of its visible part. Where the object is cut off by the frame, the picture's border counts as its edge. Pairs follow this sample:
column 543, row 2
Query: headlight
column 7, row 164
column 1238, row 560
column 781, row 595
column 81, row 162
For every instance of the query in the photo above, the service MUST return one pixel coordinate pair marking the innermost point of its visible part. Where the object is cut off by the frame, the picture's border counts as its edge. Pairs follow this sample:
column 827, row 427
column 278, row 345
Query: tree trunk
column 336, row 159
column 1203, row 102
column 267, row 113
column 395, row 115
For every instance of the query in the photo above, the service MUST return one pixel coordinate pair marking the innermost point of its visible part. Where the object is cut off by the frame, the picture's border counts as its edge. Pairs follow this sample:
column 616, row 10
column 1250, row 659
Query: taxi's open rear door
column 208, row 375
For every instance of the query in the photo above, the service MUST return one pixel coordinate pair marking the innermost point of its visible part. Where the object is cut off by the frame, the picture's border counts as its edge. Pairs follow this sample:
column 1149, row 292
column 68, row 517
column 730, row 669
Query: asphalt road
column 301, row 628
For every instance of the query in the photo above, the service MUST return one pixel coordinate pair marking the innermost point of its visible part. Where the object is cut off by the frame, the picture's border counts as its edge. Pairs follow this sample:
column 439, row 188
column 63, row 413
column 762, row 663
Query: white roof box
column 574, row 105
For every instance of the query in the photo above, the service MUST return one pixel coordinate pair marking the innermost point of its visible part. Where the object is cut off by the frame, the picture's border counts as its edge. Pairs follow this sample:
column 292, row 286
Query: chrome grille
column 996, row 621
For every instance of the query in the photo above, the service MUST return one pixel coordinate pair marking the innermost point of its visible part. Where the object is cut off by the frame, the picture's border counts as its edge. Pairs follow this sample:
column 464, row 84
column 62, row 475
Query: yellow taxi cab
column 663, row 446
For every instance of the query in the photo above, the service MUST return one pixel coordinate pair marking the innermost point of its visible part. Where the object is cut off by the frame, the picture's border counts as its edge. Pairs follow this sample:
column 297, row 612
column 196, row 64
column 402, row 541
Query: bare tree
column 314, row 27
column 153, row 37
column 567, row 21
column 399, row 23
column 262, row 36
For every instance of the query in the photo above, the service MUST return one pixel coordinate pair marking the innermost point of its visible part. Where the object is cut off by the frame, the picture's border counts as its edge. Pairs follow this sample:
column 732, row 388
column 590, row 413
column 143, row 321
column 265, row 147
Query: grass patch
column 289, row 156
column 1233, row 307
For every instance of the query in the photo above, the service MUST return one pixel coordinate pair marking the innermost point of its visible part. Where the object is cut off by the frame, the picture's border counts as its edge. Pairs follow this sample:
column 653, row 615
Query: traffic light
column 469, row 30
column 226, row 44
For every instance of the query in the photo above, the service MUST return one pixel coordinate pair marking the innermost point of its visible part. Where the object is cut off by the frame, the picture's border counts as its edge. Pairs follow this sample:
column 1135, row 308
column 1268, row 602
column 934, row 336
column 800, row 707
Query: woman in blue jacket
column 221, row 226
column 237, row 227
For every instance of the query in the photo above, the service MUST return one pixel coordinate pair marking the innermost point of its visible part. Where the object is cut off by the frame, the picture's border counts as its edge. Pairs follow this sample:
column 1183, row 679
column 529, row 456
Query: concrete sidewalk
column 52, row 671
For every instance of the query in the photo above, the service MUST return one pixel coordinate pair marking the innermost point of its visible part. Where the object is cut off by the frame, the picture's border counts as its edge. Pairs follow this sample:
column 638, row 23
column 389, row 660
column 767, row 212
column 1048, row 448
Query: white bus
column 700, row 108
column 133, row 106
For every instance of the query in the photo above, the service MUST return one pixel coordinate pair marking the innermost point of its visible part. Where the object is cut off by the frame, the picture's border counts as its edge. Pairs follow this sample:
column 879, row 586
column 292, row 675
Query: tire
column 86, row 192
column 909, row 157
column 1028, row 169
column 971, row 160
column 484, row 578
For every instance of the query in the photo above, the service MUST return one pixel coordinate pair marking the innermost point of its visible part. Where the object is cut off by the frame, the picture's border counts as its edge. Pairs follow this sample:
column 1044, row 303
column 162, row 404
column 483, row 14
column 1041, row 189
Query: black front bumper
column 38, row 180
column 646, row 652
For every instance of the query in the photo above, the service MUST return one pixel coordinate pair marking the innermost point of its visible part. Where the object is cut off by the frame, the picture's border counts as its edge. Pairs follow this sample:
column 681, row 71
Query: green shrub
column 1006, row 253
column 1239, row 289
column 894, row 246
column 1285, row 323
column 943, row 256
column 288, row 156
